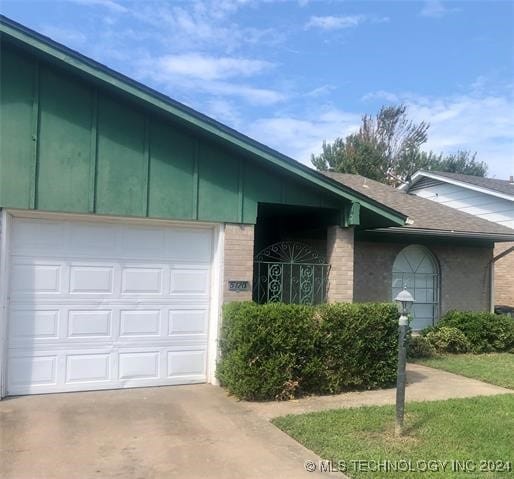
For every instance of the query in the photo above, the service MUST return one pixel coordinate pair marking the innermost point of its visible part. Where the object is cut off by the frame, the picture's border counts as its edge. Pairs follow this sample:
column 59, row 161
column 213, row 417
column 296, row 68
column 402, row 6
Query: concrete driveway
column 169, row 432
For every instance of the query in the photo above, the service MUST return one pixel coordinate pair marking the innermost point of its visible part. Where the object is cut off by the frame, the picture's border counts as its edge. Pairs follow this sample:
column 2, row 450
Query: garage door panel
column 91, row 316
column 142, row 280
column 32, row 324
column 36, row 279
column 89, row 324
column 187, row 322
column 189, row 245
column 88, row 367
column 91, row 279
column 40, row 370
column 93, row 240
column 142, row 242
column 189, row 281
column 32, row 235
column 186, row 363
column 140, row 365
column 80, row 370
column 135, row 323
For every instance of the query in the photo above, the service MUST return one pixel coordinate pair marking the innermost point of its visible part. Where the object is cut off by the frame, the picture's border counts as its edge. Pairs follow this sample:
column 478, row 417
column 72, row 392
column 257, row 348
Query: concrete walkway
column 423, row 384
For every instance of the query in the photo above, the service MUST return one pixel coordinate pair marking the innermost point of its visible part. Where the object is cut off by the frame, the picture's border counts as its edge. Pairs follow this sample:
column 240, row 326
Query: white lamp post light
column 404, row 301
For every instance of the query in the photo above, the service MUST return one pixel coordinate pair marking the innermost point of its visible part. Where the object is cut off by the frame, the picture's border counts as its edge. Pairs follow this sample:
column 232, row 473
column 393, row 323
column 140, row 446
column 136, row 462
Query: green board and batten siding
column 72, row 146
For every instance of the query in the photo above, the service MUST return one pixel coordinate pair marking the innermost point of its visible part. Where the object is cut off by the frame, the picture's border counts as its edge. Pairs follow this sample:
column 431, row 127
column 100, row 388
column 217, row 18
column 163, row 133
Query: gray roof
column 493, row 184
column 422, row 213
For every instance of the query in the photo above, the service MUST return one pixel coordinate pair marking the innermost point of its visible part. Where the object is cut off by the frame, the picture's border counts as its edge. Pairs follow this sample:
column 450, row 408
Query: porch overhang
column 408, row 232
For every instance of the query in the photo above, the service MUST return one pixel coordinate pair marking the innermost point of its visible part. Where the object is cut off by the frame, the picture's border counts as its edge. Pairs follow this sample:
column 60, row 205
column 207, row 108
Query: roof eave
column 114, row 79
column 496, row 237
column 420, row 174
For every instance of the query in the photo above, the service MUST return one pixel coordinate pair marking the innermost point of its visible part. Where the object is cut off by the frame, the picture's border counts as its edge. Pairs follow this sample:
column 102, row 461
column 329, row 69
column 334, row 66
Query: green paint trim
column 195, row 119
column 240, row 190
column 196, row 179
column 93, row 153
column 36, row 116
column 146, row 172
column 354, row 218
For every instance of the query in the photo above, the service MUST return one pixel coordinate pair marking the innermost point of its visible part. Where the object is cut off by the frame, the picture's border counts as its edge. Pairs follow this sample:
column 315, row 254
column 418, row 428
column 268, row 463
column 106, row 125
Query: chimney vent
column 511, row 179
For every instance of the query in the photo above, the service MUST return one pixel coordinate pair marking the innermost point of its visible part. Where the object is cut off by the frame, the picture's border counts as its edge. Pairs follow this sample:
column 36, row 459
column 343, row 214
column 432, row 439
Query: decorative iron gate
column 290, row 272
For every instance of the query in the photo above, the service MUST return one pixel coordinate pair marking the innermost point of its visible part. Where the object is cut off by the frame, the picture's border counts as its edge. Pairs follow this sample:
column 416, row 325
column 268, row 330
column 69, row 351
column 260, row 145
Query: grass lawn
column 474, row 430
column 494, row 368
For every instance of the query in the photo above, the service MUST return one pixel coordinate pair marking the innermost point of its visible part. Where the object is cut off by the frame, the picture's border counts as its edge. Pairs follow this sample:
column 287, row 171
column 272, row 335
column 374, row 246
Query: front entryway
column 290, row 254
column 102, row 305
column 290, row 272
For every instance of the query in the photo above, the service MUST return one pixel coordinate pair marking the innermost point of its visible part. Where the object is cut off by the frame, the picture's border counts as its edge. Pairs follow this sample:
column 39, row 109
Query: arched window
column 416, row 269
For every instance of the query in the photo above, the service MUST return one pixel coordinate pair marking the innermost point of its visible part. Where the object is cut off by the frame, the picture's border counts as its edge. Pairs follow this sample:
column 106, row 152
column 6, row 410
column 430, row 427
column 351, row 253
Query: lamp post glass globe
column 404, row 301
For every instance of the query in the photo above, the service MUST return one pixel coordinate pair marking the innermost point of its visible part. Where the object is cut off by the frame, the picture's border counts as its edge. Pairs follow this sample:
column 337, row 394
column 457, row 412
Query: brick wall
column 238, row 260
column 340, row 257
column 504, row 275
column 465, row 283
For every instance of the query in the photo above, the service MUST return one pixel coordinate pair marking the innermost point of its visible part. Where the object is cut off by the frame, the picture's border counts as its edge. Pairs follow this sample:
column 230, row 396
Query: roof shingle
column 422, row 213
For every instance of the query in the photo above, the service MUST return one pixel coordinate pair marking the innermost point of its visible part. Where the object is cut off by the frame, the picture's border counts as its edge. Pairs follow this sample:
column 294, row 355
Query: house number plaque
column 238, row 285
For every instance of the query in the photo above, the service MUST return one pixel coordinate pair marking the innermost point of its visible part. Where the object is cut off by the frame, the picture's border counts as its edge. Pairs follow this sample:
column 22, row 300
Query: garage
column 101, row 305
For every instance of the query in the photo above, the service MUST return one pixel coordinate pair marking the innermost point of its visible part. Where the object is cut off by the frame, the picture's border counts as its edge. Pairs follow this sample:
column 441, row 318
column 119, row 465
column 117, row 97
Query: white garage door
column 105, row 305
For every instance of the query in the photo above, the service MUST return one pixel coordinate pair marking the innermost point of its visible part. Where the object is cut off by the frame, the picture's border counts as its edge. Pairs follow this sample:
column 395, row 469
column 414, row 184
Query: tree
column 461, row 162
column 387, row 148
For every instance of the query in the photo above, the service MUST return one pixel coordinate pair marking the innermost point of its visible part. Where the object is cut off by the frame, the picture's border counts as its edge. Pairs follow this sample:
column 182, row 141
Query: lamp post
column 404, row 302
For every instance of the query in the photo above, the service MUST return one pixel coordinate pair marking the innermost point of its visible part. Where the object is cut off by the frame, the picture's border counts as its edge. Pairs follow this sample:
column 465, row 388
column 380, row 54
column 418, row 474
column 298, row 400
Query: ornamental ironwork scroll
column 290, row 272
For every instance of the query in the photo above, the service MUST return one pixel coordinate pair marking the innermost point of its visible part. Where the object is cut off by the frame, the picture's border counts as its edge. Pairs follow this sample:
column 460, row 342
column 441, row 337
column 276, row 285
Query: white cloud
column 323, row 90
column 300, row 136
column 253, row 95
column 334, row 22
column 197, row 74
column 205, row 67
column 224, row 111
column 381, row 95
column 435, row 9
column 202, row 24
column 109, row 4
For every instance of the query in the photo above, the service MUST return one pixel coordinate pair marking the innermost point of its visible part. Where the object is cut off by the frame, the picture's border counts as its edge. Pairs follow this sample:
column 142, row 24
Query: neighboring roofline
column 496, row 237
column 162, row 102
column 428, row 174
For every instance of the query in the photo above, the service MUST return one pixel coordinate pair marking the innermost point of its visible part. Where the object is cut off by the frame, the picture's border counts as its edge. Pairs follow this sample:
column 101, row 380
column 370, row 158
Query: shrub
column 265, row 350
column 358, row 346
column 486, row 332
column 281, row 351
column 448, row 340
column 419, row 347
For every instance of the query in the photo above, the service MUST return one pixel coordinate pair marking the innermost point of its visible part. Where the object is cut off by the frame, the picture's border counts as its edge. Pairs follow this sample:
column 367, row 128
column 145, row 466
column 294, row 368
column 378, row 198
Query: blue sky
column 294, row 73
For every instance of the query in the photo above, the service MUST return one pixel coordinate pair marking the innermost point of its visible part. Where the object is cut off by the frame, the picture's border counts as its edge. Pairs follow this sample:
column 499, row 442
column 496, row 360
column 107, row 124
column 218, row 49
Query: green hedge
column 283, row 351
column 445, row 339
column 485, row 332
